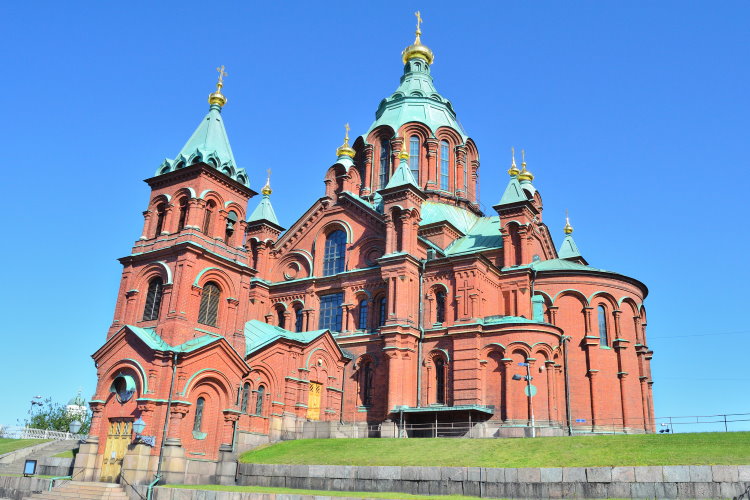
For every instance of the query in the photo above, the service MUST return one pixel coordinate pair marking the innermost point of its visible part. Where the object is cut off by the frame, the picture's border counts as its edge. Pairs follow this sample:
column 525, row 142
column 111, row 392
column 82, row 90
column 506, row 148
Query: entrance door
column 313, row 401
column 118, row 438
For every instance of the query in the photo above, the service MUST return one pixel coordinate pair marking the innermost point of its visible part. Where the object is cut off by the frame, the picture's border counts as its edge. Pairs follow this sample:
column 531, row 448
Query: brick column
column 506, row 388
column 432, row 176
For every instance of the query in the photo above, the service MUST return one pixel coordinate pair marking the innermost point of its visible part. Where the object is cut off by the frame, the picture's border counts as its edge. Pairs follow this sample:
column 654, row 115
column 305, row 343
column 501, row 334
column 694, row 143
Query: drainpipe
column 150, row 489
column 565, row 339
column 420, row 325
column 166, row 419
column 343, row 378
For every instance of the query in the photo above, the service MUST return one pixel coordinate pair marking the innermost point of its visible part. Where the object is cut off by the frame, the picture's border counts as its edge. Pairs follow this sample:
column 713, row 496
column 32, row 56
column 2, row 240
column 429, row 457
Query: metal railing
column 15, row 432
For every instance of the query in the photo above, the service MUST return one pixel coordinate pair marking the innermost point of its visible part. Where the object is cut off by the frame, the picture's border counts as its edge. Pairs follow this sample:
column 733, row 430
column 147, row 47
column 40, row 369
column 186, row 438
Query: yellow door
column 313, row 401
column 118, row 438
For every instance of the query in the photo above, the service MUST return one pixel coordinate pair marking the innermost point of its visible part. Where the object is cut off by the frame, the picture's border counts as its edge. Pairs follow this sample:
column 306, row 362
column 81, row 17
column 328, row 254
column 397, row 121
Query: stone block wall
column 578, row 482
column 19, row 487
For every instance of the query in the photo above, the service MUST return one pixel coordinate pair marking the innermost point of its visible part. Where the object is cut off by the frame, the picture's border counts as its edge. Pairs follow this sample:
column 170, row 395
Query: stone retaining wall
column 19, row 487
column 184, row 494
column 694, row 481
column 54, row 466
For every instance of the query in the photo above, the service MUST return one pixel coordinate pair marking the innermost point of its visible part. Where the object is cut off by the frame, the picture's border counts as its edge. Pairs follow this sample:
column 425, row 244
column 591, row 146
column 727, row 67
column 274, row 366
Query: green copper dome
column 417, row 100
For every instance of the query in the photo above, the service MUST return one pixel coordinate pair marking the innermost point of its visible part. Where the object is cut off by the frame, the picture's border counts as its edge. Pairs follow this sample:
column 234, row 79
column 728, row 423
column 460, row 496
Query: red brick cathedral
column 393, row 301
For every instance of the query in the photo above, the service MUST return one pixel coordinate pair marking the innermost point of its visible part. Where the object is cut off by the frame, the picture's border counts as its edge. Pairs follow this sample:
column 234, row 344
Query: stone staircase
column 46, row 451
column 70, row 490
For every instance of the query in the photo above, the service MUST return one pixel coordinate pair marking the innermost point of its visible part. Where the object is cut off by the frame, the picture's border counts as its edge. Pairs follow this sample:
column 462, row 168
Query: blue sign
column 580, row 420
column 29, row 468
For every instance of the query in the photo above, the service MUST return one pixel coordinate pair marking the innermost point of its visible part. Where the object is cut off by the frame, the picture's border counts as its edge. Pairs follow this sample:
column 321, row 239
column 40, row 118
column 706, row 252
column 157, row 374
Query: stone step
column 87, row 493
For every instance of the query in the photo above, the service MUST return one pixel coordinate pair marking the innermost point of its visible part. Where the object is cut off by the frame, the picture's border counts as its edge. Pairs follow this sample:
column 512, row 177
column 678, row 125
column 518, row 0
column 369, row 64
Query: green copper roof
column 564, row 265
column 416, row 100
column 402, row 176
column 483, row 235
column 569, row 249
column 460, row 218
column 259, row 334
column 156, row 343
column 209, row 144
column 264, row 212
column 514, row 193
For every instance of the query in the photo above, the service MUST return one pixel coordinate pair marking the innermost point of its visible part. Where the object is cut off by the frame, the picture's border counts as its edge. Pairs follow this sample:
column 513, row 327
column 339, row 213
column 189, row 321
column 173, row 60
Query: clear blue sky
column 634, row 116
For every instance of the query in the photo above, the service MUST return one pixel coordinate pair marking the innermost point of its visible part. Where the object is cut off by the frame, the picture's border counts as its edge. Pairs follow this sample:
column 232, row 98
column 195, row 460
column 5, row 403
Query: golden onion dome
column 345, row 149
column 525, row 175
column 417, row 49
column 403, row 155
column 568, row 229
column 217, row 97
column 266, row 190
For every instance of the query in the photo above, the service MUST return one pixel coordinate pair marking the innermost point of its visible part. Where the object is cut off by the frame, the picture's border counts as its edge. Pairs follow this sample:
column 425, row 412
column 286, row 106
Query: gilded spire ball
column 345, row 149
column 568, row 229
column 266, row 190
column 417, row 49
column 524, row 175
column 513, row 170
column 217, row 97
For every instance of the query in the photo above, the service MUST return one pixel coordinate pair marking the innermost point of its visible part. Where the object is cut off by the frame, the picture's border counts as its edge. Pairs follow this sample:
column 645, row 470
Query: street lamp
column 74, row 426
column 139, row 426
column 530, row 390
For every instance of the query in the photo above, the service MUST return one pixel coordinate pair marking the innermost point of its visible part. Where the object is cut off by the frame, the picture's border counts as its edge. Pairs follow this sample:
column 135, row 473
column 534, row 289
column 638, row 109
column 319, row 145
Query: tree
column 56, row 417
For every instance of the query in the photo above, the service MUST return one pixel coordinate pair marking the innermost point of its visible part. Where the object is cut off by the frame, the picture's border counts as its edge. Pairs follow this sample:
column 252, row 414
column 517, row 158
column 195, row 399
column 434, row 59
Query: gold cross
column 346, row 137
column 222, row 74
column 268, row 179
column 523, row 157
column 419, row 20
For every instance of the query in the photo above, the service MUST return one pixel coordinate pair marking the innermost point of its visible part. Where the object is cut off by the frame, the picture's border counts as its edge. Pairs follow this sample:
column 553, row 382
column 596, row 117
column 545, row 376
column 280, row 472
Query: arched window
column 381, row 310
column 231, row 222
column 259, row 400
column 183, row 214
column 245, row 397
column 280, row 317
column 207, row 217
column 161, row 212
column 385, row 160
column 198, row 423
column 335, row 253
column 414, row 157
column 603, row 340
column 209, row 308
column 365, row 382
column 153, row 299
column 330, row 312
column 362, row 324
column 445, row 162
column 440, row 381
column 440, row 306
column 297, row 319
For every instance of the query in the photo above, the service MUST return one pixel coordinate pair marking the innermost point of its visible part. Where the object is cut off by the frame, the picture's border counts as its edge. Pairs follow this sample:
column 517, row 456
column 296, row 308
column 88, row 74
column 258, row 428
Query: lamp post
column 530, row 390
column 139, row 426
column 74, row 426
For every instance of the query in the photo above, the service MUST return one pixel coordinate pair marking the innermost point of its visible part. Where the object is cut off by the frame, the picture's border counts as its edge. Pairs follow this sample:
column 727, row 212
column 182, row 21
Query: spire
column 417, row 49
column 344, row 149
column 264, row 211
column 513, row 170
column 402, row 176
column 524, row 175
column 569, row 250
column 209, row 143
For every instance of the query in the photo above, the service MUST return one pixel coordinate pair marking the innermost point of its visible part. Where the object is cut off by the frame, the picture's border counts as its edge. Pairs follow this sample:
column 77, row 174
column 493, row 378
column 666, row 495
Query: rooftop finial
column 417, row 49
column 345, row 149
column 524, row 175
column 568, row 229
column 266, row 191
column 513, row 170
column 217, row 97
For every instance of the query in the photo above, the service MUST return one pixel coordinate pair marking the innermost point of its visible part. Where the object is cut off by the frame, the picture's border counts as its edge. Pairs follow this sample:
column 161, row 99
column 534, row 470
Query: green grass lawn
column 715, row 448
column 291, row 491
column 8, row 445
column 66, row 454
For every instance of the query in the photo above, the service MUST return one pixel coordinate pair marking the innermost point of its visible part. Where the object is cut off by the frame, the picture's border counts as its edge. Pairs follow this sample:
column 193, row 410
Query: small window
column 245, row 397
column 362, row 325
column 198, row 423
column 603, row 339
column 444, row 165
column 366, row 373
column 440, row 381
column 382, row 310
column 281, row 318
column 153, row 299
column 209, row 308
column 298, row 319
column 207, row 216
column 259, row 400
column 335, row 253
column 440, row 306
column 161, row 212
column 183, row 214
column 385, row 157
column 414, row 157
column 330, row 312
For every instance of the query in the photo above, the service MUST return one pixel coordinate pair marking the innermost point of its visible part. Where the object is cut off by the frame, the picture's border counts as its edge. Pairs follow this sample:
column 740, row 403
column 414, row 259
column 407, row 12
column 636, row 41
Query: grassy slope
column 8, row 445
column 283, row 491
column 731, row 448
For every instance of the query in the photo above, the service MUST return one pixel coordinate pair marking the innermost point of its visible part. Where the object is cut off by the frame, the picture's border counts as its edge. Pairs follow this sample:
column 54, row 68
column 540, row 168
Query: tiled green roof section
column 259, row 334
column 514, row 193
column 564, row 265
column 401, row 177
column 493, row 320
column 416, row 100
column 433, row 212
column 483, row 235
column 209, row 144
column 569, row 249
column 264, row 211
column 156, row 343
